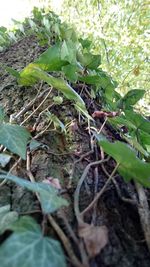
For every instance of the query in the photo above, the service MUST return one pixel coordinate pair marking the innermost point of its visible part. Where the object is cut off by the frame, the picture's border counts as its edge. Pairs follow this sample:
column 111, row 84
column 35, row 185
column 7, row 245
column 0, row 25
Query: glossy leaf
column 130, row 167
column 50, row 202
column 15, row 138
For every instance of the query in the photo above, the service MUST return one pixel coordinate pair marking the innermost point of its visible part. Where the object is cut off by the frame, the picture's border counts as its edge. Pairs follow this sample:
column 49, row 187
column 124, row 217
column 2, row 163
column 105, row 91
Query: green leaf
column 130, row 167
column 91, row 79
column 4, row 159
column 68, row 52
column 89, row 60
column 86, row 43
column 131, row 98
column 49, row 199
column 138, row 120
column 143, row 137
column 23, row 224
column 15, row 138
column 70, row 72
column 30, row 249
column 134, row 143
column 7, row 218
column 51, row 60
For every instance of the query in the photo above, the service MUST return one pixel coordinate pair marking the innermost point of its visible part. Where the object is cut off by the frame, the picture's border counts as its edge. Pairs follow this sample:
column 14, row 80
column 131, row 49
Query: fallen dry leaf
column 95, row 238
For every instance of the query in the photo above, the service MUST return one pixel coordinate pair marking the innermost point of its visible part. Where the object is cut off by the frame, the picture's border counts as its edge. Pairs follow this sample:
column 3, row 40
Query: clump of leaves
column 66, row 62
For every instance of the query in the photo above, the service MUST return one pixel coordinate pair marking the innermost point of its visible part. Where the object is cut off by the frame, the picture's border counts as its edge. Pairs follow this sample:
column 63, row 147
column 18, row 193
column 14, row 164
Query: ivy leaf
column 138, row 120
column 68, row 52
column 29, row 248
column 70, row 72
column 7, row 218
column 49, row 199
column 131, row 98
column 15, row 138
column 91, row 79
column 23, row 224
column 130, row 167
column 51, row 60
column 89, row 60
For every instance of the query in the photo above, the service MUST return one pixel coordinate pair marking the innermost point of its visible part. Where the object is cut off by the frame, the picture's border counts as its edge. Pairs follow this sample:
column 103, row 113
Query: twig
column 78, row 188
column 74, row 164
column 65, row 242
column 100, row 193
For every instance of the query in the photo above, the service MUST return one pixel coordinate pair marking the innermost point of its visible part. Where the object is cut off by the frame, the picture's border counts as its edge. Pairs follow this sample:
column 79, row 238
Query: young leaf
column 130, row 167
column 49, row 199
column 15, row 138
column 29, row 248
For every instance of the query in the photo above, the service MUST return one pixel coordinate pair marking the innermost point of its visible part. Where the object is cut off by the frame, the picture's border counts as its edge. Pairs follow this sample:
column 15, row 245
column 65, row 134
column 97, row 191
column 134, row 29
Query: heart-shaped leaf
column 15, row 138
column 29, row 248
